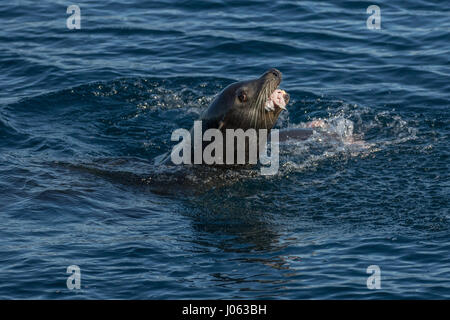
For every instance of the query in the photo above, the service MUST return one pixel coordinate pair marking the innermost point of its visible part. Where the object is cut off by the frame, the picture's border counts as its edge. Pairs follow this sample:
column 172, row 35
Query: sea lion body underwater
column 252, row 104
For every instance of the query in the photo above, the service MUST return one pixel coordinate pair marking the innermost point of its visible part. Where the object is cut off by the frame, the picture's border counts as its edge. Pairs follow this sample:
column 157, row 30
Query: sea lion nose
column 286, row 97
column 274, row 73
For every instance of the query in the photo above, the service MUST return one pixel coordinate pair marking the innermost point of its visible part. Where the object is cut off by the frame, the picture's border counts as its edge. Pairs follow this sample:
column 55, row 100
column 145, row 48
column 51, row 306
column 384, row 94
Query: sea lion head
column 248, row 104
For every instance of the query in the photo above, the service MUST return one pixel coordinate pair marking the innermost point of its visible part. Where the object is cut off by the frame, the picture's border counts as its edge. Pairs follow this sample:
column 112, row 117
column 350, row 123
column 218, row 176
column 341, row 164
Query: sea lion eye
column 242, row 96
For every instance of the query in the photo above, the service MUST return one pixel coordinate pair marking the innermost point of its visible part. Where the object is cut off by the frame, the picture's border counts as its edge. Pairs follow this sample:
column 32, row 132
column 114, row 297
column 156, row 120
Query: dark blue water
column 83, row 114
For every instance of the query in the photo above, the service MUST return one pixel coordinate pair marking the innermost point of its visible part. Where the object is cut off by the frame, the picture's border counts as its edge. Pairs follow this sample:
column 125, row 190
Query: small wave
column 8, row 133
column 347, row 131
column 166, row 93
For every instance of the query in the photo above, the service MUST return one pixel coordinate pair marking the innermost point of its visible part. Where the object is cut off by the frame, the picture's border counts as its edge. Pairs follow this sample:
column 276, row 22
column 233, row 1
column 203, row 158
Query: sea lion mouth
column 278, row 99
column 275, row 99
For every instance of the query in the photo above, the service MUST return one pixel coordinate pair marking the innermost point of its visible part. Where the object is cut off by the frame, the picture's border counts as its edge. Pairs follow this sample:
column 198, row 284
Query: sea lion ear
column 242, row 95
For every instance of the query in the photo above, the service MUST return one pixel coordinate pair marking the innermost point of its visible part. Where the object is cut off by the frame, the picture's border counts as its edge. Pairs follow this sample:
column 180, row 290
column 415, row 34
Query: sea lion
column 252, row 104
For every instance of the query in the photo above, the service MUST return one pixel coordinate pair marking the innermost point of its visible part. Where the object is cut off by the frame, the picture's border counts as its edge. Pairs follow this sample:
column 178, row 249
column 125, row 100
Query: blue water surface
column 84, row 113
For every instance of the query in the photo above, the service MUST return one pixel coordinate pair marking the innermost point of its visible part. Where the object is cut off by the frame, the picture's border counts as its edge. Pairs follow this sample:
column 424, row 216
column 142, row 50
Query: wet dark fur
column 228, row 112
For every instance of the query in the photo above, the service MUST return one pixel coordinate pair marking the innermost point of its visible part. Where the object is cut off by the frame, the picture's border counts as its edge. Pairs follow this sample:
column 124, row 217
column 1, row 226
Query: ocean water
column 84, row 113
